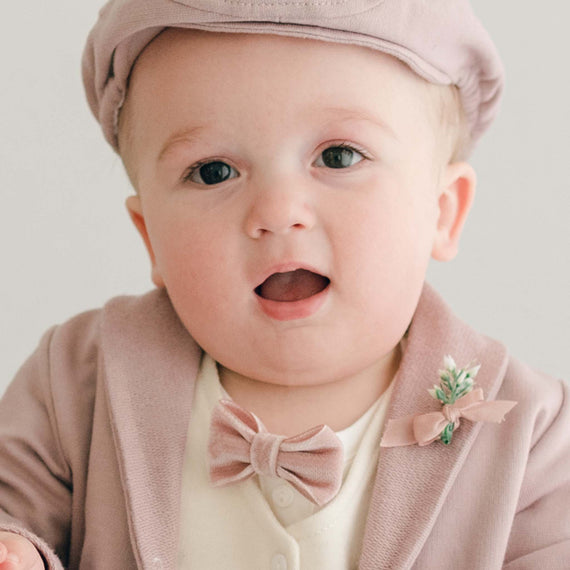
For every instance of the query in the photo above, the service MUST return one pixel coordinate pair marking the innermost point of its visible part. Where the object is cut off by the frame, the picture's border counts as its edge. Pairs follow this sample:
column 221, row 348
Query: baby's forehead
column 300, row 75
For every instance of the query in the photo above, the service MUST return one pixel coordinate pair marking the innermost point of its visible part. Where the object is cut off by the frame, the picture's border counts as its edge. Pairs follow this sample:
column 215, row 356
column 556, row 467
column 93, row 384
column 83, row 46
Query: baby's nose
column 278, row 210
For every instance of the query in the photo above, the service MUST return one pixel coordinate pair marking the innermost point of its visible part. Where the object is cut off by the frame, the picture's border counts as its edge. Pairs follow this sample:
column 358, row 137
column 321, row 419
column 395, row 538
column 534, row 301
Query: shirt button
column 279, row 562
column 283, row 496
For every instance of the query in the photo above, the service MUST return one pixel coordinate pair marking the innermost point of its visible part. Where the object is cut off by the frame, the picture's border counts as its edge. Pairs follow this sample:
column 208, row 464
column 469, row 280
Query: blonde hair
column 451, row 122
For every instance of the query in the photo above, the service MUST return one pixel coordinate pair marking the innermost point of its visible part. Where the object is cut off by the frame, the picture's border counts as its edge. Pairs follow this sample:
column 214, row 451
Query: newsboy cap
column 441, row 40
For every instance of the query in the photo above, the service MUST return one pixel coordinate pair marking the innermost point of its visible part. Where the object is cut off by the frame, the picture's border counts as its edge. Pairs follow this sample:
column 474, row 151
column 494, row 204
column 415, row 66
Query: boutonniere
column 459, row 400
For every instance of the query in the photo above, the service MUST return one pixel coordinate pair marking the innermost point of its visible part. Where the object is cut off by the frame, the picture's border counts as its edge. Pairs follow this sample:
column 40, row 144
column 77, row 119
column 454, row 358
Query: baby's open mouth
column 292, row 286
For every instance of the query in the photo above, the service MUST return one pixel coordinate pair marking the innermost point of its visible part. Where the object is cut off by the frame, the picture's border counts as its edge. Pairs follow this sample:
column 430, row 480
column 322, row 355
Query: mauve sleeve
column 35, row 478
column 540, row 536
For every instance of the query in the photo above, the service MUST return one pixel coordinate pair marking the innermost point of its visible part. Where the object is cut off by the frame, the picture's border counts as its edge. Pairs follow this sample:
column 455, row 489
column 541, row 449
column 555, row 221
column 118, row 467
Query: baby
column 271, row 404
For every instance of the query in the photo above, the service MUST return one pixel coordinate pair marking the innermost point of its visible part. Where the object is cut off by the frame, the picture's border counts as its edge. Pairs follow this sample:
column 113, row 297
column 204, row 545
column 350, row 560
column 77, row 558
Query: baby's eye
column 210, row 173
column 339, row 156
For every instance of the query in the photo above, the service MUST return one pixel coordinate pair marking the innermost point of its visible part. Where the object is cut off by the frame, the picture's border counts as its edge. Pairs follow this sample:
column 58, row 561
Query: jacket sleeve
column 35, row 478
column 540, row 536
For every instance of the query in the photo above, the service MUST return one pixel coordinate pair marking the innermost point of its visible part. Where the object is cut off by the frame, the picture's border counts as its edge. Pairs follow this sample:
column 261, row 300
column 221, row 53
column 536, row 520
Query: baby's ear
column 134, row 206
column 456, row 193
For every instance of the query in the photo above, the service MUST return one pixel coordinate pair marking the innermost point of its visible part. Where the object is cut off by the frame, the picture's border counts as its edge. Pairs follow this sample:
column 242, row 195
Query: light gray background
column 67, row 244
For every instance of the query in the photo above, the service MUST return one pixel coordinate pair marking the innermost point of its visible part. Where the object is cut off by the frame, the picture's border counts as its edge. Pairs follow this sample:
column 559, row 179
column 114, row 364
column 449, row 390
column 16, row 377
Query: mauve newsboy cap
column 441, row 40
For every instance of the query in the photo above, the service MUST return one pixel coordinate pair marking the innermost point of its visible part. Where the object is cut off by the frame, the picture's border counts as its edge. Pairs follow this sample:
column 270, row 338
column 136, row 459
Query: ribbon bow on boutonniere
column 458, row 399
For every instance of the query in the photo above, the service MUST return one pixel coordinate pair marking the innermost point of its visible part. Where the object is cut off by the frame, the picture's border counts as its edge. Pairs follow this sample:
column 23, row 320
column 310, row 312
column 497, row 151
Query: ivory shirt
column 264, row 523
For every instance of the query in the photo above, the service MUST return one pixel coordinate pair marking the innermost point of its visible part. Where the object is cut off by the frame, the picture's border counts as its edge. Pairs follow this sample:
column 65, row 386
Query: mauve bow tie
column 240, row 447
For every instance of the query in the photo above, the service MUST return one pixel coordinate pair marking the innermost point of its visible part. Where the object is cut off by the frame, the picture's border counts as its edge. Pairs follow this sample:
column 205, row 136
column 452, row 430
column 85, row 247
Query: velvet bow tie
column 241, row 447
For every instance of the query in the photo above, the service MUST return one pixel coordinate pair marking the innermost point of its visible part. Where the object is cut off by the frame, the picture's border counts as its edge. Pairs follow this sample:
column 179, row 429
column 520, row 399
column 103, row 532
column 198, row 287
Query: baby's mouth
column 292, row 286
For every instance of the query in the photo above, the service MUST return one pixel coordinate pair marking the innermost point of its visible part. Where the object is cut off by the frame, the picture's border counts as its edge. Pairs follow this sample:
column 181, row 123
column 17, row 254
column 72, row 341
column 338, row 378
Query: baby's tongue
column 292, row 285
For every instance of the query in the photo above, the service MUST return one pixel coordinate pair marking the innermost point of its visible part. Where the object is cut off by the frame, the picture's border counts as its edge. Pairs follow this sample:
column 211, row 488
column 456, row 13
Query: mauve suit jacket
column 93, row 431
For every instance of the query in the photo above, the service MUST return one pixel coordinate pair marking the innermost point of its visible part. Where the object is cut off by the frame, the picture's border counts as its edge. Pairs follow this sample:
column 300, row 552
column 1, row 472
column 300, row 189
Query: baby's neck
column 288, row 410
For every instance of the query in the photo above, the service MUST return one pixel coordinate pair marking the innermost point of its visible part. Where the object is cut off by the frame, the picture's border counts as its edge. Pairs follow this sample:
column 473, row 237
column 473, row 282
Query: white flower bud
column 472, row 371
column 448, row 362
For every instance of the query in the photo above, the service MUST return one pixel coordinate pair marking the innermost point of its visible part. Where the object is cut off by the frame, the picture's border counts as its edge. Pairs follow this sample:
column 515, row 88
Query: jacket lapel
column 412, row 482
column 151, row 364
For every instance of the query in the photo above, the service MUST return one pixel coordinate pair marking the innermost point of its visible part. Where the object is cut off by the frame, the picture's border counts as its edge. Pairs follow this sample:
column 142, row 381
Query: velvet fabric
column 93, row 432
column 241, row 447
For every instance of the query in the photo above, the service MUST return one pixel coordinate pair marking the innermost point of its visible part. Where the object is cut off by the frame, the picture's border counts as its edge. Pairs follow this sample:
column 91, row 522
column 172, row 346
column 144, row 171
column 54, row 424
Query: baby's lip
column 292, row 285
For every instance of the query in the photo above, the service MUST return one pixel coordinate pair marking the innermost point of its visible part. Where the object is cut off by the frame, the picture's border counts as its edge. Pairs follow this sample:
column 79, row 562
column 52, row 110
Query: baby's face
column 288, row 195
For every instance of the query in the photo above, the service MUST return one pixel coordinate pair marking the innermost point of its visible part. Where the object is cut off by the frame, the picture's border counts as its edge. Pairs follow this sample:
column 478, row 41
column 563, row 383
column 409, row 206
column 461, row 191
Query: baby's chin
column 307, row 371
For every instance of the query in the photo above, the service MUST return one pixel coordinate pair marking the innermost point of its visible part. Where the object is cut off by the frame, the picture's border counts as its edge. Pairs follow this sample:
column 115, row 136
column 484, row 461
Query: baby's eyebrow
column 182, row 135
column 355, row 113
